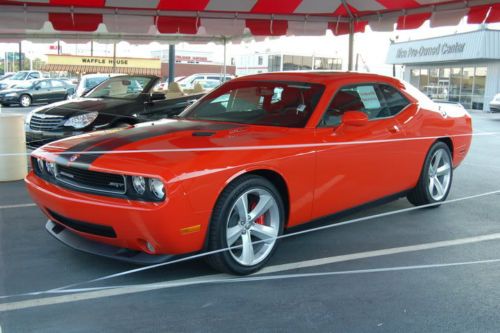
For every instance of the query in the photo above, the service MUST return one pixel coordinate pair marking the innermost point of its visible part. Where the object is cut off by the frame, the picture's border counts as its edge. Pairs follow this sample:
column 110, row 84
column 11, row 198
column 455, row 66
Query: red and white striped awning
column 233, row 18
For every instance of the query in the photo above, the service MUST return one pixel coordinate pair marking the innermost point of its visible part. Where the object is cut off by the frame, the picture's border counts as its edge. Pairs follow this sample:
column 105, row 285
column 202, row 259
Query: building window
column 260, row 61
column 462, row 85
column 274, row 63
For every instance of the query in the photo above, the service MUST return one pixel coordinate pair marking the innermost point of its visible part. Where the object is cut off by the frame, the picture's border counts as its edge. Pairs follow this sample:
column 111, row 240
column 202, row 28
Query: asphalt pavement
column 424, row 270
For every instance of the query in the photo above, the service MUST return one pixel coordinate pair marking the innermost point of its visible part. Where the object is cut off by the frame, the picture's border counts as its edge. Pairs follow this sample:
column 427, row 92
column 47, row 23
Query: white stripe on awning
column 387, row 24
column 365, row 5
column 22, row 20
column 317, row 6
column 230, row 6
column 149, row 4
column 307, row 28
column 448, row 18
column 219, row 27
column 128, row 23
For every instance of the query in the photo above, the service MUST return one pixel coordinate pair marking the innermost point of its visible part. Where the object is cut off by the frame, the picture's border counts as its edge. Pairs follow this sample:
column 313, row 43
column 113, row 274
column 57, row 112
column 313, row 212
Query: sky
column 372, row 46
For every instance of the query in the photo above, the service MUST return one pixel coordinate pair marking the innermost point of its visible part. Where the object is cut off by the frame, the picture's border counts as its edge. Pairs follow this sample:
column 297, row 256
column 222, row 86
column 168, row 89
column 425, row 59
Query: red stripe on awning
column 494, row 15
column 477, row 14
column 413, row 21
column 183, row 5
column 275, row 7
column 75, row 22
column 182, row 25
column 342, row 28
column 79, row 3
column 267, row 28
column 400, row 4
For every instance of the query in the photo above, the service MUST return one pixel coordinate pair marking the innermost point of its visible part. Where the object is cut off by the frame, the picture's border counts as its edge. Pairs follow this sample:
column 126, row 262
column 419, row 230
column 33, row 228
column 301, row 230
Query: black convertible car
column 117, row 102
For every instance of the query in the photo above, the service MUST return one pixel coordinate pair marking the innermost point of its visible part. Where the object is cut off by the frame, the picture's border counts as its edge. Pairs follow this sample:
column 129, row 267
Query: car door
column 58, row 91
column 361, row 164
column 41, row 91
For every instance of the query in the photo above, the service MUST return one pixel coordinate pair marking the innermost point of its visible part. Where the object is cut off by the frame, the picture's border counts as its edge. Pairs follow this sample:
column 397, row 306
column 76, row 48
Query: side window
column 377, row 101
column 44, row 85
column 57, row 84
column 34, row 75
column 394, row 100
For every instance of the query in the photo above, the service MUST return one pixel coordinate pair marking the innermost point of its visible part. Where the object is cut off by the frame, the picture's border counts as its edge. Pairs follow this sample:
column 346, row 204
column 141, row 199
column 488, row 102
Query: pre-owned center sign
column 469, row 46
column 104, row 61
column 422, row 51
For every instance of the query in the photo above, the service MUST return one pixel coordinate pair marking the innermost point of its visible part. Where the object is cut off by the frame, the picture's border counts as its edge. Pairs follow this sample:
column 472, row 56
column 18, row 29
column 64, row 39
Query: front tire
column 435, row 179
column 248, row 217
column 25, row 100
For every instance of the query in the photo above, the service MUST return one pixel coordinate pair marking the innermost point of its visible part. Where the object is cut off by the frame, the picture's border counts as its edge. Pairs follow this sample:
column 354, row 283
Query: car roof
column 323, row 77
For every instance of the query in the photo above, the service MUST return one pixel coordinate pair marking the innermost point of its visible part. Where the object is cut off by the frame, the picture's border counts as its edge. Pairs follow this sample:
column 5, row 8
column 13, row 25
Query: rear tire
column 248, row 217
column 436, row 177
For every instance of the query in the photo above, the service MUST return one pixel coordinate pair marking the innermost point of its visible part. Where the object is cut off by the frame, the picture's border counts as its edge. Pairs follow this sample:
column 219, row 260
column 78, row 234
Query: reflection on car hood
column 146, row 138
column 13, row 90
column 69, row 108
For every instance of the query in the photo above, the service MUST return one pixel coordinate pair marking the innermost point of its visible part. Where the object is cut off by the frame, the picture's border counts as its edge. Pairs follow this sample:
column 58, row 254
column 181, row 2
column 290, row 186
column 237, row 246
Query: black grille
column 45, row 122
column 91, row 180
column 89, row 228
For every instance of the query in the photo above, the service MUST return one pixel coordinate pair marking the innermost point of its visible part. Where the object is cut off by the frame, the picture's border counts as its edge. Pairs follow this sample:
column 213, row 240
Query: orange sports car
column 258, row 155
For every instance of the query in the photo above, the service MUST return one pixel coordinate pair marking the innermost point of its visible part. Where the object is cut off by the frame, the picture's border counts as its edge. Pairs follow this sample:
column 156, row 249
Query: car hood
column 13, row 90
column 69, row 108
column 167, row 144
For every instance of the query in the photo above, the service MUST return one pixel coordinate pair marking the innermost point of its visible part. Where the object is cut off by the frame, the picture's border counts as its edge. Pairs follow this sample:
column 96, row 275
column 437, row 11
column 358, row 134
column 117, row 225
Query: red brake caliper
column 260, row 219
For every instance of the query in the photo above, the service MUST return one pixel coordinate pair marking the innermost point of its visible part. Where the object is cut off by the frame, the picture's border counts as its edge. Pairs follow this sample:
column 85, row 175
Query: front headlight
column 11, row 95
column 82, row 120
column 157, row 188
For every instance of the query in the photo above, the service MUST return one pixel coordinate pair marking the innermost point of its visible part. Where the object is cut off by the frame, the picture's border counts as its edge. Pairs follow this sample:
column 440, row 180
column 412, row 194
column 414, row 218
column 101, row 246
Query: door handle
column 394, row 129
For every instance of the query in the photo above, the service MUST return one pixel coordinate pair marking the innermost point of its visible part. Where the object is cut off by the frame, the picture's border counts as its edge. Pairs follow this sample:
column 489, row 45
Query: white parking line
column 18, row 206
column 97, row 293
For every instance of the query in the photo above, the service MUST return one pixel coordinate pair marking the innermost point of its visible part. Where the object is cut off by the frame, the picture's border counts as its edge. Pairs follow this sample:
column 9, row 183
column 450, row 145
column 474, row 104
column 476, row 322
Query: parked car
column 117, row 102
column 36, row 91
column 258, row 155
column 89, row 81
column 495, row 104
column 21, row 77
column 189, row 81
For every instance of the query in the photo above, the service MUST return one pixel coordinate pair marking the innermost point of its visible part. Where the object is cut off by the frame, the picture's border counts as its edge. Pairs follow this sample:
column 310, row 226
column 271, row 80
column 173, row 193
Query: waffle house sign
column 104, row 61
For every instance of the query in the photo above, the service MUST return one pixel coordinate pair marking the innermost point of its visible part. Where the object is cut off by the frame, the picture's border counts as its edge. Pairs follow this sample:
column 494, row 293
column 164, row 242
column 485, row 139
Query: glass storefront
column 293, row 63
column 455, row 84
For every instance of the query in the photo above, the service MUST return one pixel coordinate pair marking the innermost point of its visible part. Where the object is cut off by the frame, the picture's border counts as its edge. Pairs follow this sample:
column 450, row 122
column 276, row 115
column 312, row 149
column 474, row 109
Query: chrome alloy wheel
column 252, row 226
column 25, row 101
column 439, row 174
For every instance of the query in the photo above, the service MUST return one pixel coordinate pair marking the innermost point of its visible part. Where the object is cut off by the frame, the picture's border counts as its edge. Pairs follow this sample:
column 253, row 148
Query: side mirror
column 354, row 118
column 156, row 97
column 38, row 88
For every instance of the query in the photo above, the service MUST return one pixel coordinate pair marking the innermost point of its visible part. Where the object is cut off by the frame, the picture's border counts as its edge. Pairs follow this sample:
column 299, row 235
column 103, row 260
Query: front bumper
column 35, row 139
column 76, row 242
column 9, row 99
column 134, row 224
column 495, row 107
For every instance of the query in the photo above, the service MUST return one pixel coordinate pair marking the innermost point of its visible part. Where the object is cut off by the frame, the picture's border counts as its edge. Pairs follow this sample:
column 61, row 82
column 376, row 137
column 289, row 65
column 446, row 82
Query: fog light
column 50, row 167
column 139, row 184
column 41, row 166
column 150, row 247
column 157, row 188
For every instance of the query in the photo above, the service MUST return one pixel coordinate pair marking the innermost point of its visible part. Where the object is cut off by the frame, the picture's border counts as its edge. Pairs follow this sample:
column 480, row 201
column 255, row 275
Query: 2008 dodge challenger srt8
column 258, row 155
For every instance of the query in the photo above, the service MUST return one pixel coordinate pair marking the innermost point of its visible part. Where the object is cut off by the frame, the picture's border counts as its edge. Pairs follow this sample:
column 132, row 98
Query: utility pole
column 171, row 63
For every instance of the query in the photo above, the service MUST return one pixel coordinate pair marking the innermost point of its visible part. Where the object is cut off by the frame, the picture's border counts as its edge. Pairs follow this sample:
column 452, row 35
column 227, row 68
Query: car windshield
column 285, row 104
column 19, row 76
column 129, row 87
column 94, row 81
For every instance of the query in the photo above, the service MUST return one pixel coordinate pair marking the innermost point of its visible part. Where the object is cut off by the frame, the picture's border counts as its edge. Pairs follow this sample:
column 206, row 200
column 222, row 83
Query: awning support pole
column 351, row 35
column 20, row 58
column 114, row 57
column 224, row 70
column 351, row 45
column 171, row 63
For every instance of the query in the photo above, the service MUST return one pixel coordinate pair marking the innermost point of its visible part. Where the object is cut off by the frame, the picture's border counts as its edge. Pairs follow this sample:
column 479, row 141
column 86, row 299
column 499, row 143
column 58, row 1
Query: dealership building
column 463, row 67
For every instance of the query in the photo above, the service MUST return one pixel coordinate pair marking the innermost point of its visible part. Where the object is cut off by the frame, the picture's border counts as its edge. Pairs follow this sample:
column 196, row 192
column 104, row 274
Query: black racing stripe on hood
column 112, row 141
